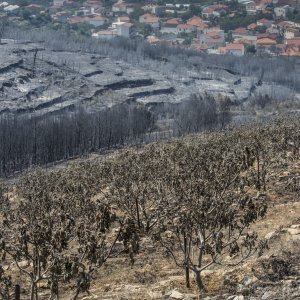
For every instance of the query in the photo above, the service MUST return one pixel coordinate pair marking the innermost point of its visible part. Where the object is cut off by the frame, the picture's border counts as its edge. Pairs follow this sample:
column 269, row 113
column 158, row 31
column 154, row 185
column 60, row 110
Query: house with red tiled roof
column 216, row 10
column 185, row 28
column 234, row 49
column 284, row 24
column 202, row 48
column 252, row 26
column 34, row 8
column 266, row 35
column 215, row 43
column 293, row 42
column 265, row 42
column 170, row 26
column 264, row 22
column 151, row 20
column 266, row 45
column 172, row 22
column 289, row 26
column 194, row 20
column 203, row 28
column 198, row 22
column 123, row 19
column 209, row 35
column 217, row 33
column 240, row 32
column 246, row 40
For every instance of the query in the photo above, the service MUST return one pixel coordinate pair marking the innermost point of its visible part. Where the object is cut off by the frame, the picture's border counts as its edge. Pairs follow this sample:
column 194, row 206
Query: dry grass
column 154, row 274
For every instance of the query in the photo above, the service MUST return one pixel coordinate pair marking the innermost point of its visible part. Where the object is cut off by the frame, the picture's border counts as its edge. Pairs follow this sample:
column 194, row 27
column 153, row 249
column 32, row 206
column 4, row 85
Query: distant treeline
column 27, row 141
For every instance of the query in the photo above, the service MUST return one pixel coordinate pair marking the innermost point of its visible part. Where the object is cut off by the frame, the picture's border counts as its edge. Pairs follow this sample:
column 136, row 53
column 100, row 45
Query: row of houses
column 280, row 38
column 280, row 8
column 122, row 27
column 199, row 32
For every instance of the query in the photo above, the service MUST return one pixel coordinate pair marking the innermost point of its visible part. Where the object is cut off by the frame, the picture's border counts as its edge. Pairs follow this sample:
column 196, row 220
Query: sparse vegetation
column 212, row 210
column 196, row 197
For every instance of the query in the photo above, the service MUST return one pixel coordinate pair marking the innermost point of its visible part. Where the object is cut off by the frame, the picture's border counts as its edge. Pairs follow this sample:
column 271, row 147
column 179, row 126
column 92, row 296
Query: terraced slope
column 56, row 81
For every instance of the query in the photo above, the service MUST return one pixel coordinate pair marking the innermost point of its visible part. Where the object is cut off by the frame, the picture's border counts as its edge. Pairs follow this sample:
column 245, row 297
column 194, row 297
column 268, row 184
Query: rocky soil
column 58, row 81
column 275, row 275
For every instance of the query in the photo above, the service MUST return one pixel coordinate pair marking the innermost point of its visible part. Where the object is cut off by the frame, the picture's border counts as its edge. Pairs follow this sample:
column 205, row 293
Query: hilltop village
column 262, row 27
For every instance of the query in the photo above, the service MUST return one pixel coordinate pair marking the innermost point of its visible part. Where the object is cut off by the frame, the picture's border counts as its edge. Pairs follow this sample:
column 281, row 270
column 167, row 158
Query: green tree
column 144, row 29
column 261, row 29
column 136, row 14
column 228, row 23
column 195, row 9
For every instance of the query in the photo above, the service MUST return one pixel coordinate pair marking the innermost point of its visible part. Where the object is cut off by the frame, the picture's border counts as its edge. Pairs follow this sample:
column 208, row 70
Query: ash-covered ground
column 37, row 80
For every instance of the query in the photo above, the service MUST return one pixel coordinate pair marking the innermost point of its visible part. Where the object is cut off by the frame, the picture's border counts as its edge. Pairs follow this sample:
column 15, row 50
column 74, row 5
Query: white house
column 124, row 29
column 281, row 12
column 250, row 7
column 10, row 8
